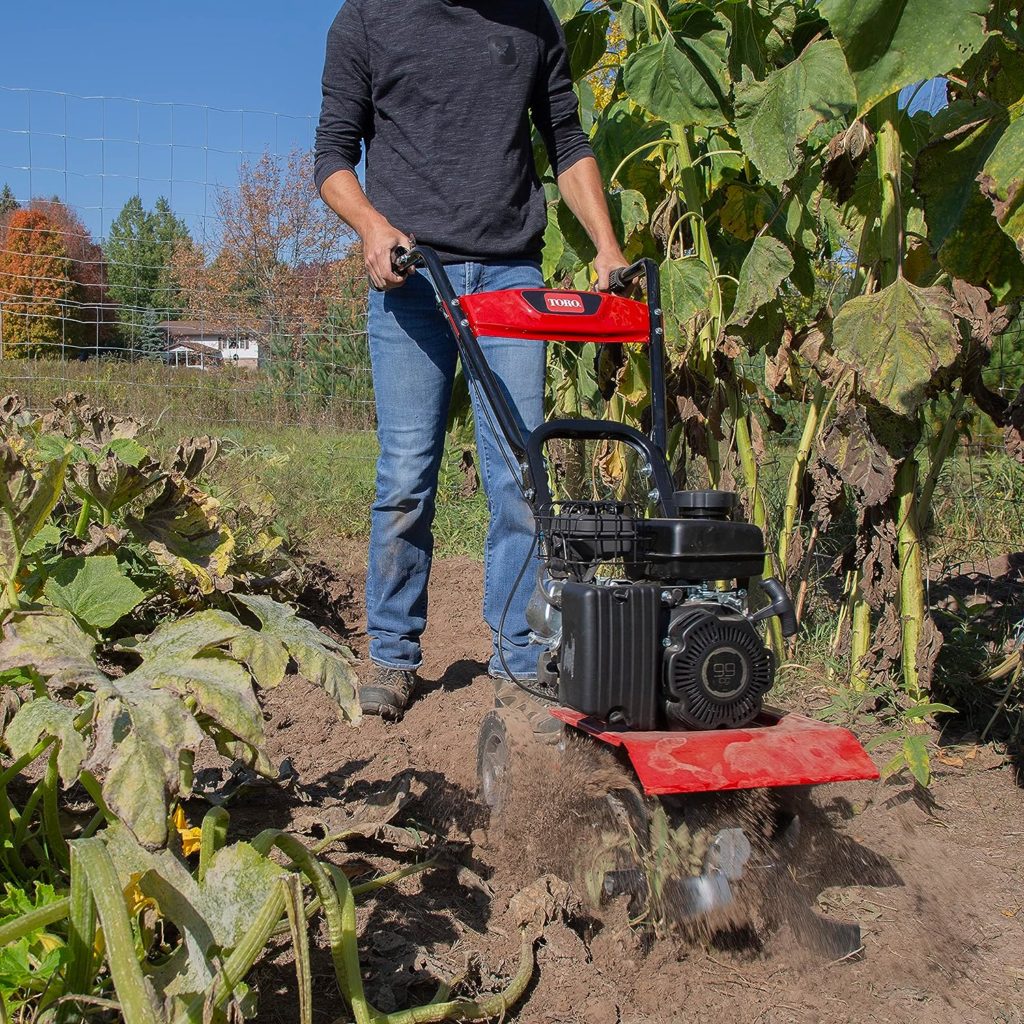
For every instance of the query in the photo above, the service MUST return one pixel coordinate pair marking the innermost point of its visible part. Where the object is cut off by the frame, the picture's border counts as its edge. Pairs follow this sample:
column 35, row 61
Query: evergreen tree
column 139, row 253
column 8, row 204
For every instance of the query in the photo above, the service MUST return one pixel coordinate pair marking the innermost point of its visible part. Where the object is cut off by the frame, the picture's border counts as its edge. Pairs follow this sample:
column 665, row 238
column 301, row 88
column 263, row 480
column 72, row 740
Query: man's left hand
column 604, row 263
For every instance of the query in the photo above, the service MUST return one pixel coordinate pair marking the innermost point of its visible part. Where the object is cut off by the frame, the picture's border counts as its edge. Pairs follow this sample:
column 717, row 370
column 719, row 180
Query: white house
column 193, row 343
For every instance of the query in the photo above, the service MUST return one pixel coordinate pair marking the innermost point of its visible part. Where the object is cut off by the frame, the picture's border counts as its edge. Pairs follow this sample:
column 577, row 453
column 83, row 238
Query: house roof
column 206, row 351
column 182, row 329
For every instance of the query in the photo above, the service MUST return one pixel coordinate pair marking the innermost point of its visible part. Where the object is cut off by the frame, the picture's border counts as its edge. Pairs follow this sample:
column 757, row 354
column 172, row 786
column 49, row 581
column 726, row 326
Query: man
column 441, row 93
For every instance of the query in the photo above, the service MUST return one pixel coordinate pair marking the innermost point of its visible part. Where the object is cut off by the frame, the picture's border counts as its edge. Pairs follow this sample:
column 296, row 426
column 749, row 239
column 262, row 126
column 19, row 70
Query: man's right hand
column 379, row 243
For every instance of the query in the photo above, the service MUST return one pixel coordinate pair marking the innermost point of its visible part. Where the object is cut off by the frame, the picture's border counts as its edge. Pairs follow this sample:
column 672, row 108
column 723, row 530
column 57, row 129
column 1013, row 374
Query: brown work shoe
column 512, row 697
column 388, row 692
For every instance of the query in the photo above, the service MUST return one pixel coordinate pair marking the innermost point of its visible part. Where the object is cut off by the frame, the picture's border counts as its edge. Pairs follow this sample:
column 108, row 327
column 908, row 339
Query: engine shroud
column 717, row 670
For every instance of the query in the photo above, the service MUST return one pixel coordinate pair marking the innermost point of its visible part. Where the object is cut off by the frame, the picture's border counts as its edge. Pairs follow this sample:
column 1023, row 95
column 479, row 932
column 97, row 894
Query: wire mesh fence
column 173, row 262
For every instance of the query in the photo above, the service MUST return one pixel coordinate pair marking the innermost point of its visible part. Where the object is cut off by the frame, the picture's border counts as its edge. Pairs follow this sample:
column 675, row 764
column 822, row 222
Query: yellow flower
column 191, row 838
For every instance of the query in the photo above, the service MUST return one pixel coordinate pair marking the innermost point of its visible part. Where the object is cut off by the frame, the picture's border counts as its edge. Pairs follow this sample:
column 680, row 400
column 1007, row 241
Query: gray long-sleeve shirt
column 440, row 93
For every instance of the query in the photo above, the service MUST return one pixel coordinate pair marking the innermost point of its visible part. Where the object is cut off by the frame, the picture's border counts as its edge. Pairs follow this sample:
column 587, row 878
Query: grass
column 323, row 482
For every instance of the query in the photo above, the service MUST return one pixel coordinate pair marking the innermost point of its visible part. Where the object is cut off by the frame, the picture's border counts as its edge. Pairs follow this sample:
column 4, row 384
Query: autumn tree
column 140, row 252
column 37, row 288
column 90, row 322
column 277, row 268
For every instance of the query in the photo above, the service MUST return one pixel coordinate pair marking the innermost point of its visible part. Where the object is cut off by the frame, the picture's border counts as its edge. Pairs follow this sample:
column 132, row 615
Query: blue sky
column 209, row 59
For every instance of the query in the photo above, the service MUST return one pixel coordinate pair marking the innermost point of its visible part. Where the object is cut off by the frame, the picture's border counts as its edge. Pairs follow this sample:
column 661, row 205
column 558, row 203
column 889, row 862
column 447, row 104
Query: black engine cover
column 717, row 670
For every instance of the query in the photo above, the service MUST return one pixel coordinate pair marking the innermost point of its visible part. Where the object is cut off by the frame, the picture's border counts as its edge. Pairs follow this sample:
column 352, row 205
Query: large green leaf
column 767, row 265
column 41, row 718
column 776, row 115
column 96, row 590
column 586, row 37
column 620, row 131
column 761, row 32
column 682, row 84
column 1002, row 180
column 686, row 296
column 319, row 658
column 948, row 167
column 897, row 340
column 893, row 43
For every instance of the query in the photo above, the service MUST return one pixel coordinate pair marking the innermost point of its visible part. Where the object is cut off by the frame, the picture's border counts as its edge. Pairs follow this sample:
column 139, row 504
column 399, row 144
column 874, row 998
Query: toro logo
column 564, row 302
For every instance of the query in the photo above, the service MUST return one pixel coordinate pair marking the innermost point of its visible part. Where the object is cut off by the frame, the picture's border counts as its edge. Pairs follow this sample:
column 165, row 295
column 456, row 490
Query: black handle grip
column 403, row 260
column 781, row 605
column 621, row 278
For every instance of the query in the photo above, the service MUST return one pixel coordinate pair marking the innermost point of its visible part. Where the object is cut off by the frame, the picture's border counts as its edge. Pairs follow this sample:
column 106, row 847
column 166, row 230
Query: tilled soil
column 936, row 881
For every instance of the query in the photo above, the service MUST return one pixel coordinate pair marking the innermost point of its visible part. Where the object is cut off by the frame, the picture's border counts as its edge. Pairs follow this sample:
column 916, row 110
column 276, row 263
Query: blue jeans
column 413, row 355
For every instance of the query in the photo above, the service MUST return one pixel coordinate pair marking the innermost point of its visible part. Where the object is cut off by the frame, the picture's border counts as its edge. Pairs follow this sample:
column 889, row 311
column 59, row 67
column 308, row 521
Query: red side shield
column 778, row 749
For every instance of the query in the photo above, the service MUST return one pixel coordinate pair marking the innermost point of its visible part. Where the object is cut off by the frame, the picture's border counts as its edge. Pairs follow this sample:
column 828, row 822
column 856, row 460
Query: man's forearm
column 583, row 191
column 345, row 196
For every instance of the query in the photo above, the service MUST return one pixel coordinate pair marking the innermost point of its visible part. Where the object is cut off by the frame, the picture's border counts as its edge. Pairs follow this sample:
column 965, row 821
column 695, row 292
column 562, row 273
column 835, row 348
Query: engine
column 663, row 642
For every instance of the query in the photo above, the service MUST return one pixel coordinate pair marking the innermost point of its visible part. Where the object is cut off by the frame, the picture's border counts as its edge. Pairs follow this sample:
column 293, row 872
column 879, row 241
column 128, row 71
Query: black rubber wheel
column 494, row 761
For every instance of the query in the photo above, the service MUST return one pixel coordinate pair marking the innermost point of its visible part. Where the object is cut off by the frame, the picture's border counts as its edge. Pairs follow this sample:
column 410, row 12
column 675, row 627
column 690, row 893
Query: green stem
column 82, row 525
column 213, row 835
column 34, row 921
column 797, row 472
column 890, row 169
column 137, row 998
column 939, row 455
column 81, row 942
column 51, row 814
column 912, row 602
column 24, row 761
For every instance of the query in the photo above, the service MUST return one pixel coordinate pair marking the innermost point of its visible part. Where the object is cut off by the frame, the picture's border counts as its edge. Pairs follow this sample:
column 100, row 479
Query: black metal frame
column 530, row 450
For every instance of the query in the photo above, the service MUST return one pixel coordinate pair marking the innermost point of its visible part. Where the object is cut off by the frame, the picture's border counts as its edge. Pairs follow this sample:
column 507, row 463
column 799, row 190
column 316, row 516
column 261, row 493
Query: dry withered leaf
column 846, row 152
column 929, row 645
column 850, row 447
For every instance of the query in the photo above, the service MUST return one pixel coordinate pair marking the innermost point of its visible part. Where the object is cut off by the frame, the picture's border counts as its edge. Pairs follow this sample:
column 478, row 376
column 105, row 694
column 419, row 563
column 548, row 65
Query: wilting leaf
column 41, row 718
column 1003, row 182
column 265, row 655
column 194, row 456
column 27, row 497
column 183, row 529
column 111, row 483
column 892, row 44
column 775, row 116
column 320, row 659
column 141, row 734
column 745, row 211
column 947, row 168
column 897, row 339
column 95, row 429
column 685, row 293
column 767, row 265
column 671, row 81
column 629, row 212
column 96, row 590
column 54, row 645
